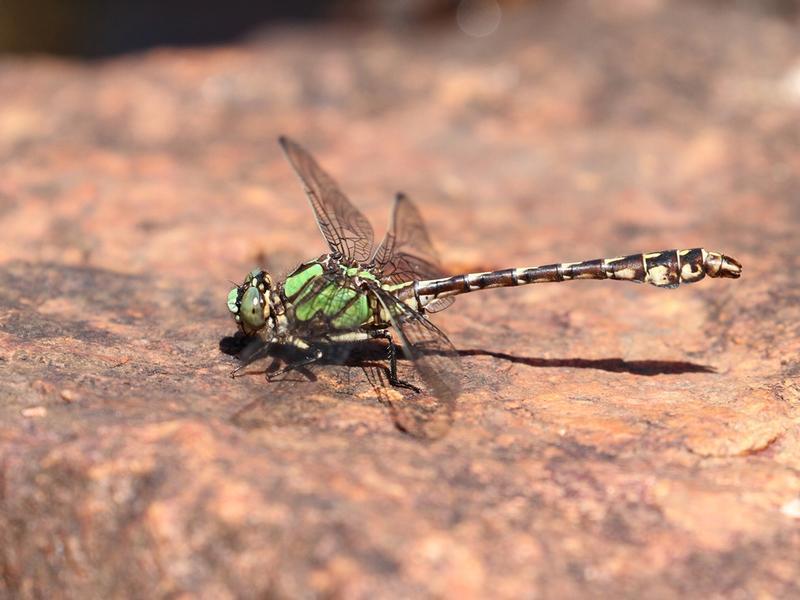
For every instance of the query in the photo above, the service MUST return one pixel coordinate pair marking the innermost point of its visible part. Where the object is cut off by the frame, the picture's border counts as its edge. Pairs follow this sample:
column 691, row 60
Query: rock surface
column 611, row 439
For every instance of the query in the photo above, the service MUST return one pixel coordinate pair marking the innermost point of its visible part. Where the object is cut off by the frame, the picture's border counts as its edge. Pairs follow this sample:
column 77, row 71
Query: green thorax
column 336, row 297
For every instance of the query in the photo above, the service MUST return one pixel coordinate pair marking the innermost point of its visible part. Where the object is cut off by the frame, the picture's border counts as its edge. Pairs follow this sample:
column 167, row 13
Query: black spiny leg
column 392, row 358
column 260, row 352
column 314, row 357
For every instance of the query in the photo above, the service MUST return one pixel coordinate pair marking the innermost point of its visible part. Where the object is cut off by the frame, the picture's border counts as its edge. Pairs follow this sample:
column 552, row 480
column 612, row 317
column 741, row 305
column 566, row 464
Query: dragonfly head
column 249, row 303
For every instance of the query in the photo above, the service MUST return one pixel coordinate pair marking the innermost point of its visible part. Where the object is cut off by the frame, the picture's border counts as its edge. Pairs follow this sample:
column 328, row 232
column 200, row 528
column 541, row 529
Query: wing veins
column 438, row 364
column 345, row 228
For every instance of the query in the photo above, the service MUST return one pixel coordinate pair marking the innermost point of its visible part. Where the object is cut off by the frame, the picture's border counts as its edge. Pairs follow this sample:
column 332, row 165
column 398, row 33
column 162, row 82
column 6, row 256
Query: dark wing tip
column 294, row 152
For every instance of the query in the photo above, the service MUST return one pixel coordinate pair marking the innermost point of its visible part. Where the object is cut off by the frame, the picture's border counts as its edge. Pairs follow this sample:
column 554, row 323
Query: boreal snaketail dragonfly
column 356, row 293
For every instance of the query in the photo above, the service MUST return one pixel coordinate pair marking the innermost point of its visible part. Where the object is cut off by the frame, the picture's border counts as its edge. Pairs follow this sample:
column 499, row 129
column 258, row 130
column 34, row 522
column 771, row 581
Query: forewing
column 347, row 230
column 432, row 353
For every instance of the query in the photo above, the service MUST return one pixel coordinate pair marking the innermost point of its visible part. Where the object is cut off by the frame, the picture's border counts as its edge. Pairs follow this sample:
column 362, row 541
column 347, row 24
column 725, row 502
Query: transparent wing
column 347, row 230
column 425, row 418
column 439, row 304
column 406, row 252
column 432, row 353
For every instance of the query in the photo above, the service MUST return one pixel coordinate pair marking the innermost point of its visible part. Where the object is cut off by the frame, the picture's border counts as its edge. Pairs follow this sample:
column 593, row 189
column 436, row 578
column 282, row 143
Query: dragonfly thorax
column 251, row 303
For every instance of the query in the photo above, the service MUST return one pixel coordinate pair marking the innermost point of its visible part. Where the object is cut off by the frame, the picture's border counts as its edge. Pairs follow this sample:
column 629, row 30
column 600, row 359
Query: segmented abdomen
column 663, row 269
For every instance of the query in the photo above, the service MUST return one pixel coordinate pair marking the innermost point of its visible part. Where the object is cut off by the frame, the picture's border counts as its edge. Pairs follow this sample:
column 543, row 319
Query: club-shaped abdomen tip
column 730, row 267
column 722, row 265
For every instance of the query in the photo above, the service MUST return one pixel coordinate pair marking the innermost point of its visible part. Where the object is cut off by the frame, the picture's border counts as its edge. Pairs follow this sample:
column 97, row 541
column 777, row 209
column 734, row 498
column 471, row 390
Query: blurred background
column 96, row 28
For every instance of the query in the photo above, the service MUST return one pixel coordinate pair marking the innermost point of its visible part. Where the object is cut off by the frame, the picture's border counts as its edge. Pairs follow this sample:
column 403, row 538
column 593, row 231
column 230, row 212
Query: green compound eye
column 233, row 295
column 251, row 309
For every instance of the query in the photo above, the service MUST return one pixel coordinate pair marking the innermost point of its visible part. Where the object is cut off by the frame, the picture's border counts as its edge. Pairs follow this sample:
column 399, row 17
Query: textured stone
column 611, row 439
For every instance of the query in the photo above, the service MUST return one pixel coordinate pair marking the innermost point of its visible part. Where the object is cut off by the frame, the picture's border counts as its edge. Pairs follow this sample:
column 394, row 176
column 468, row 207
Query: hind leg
column 392, row 358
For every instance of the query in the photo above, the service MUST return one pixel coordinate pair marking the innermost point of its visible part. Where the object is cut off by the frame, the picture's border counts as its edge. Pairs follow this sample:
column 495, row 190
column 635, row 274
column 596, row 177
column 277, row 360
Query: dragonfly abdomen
column 667, row 268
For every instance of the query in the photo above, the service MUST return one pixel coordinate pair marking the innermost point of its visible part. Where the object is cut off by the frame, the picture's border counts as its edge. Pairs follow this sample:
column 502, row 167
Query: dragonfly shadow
column 349, row 354
column 359, row 353
column 420, row 415
column 646, row 368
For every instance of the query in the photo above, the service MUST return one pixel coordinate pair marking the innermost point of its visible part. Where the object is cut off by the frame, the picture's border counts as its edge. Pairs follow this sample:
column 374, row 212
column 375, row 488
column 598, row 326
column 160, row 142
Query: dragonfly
column 359, row 292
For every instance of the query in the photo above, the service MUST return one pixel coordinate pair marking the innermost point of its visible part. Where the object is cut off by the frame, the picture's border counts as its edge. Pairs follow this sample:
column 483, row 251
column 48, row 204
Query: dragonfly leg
column 307, row 360
column 261, row 352
column 392, row 358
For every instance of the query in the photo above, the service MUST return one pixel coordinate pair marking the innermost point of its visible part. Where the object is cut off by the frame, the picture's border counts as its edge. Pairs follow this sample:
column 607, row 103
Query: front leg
column 261, row 352
column 314, row 355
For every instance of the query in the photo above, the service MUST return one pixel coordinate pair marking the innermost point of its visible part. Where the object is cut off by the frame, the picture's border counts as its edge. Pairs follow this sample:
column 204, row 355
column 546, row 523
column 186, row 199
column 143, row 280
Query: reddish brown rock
column 611, row 439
